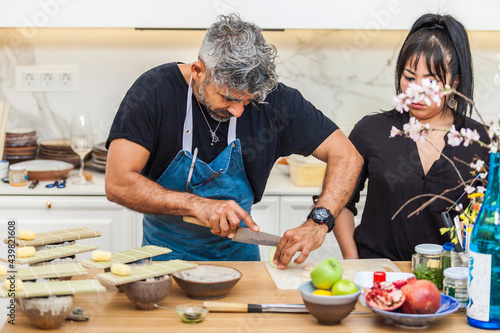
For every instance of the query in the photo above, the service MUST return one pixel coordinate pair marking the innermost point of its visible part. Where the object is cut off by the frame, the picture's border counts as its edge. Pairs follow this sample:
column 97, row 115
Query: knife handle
column 226, row 307
column 193, row 220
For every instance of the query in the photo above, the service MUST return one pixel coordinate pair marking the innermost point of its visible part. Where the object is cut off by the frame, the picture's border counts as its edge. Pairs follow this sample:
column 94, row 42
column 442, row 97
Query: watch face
column 321, row 214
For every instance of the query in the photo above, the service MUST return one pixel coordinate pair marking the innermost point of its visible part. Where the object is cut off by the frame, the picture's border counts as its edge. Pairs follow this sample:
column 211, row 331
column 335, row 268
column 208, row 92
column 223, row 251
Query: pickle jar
column 427, row 263
column 18, row 175
column 455, row 285
column 446, row 255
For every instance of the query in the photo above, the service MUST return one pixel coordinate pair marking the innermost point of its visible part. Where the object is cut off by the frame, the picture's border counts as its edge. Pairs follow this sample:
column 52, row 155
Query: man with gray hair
column 200, row 140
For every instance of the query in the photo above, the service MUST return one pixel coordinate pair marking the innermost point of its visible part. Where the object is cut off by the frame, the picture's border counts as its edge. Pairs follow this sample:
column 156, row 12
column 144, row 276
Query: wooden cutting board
column 294, row 275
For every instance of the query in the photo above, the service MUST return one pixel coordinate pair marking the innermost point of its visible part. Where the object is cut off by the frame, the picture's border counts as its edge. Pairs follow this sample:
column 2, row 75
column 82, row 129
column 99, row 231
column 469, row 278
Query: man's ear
column 198, row 71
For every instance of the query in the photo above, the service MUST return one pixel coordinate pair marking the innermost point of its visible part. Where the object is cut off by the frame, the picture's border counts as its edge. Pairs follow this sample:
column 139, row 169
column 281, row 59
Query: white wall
column 345, row 73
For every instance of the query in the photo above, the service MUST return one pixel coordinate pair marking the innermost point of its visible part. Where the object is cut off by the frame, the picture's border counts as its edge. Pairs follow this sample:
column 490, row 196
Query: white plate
column 365, row 280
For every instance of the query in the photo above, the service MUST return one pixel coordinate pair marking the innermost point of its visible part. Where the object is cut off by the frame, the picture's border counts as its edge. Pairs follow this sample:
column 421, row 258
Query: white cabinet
column 267, row 215
column 117, row 224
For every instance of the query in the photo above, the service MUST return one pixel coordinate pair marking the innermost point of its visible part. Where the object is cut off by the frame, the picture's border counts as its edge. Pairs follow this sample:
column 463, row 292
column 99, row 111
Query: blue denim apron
column 188, row 241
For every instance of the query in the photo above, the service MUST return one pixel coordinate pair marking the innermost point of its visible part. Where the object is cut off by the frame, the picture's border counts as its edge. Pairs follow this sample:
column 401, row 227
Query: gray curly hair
column 237, row 56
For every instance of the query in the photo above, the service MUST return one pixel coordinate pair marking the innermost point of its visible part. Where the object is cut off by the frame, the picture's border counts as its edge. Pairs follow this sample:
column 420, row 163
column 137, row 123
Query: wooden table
column 113, row 312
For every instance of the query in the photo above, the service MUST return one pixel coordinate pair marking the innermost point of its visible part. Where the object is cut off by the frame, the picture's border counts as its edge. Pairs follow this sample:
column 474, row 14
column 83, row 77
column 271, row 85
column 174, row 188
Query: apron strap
column 187, row 134
column 231, row 134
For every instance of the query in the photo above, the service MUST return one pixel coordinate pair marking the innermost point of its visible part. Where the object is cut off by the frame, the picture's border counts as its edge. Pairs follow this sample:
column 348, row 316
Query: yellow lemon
column 322, row 292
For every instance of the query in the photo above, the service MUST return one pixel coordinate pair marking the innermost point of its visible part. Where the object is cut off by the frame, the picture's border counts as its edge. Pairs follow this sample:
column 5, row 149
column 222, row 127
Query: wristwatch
column 322, row 215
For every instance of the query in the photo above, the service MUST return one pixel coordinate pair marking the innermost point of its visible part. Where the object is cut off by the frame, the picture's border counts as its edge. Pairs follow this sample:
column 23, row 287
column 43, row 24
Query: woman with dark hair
column 398, row 169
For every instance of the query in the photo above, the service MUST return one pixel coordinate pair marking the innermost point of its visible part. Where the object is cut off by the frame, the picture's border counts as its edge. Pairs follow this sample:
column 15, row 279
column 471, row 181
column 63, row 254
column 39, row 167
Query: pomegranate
column 421, row 297
column 385, row 295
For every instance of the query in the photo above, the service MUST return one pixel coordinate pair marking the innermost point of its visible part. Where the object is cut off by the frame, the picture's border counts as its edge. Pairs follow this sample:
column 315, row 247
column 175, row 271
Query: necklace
column 215, row 138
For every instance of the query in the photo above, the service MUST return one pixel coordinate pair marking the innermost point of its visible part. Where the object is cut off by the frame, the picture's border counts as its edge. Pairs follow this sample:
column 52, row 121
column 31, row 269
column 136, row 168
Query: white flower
column 459, row 208
column 416, row 130
column 454, row 138
column 478, row 165
column 394, row 132
column 469, row 135
column 469, row 189
column 483, row 175
column 399, row 103
column 481, row 189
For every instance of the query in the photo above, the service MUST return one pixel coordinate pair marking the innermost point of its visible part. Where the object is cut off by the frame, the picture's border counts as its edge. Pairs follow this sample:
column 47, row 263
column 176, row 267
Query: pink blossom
column 478, row 165
column 454, row 138
column 416, row 130
column 481, row 189
column 394, row 132
column 469, row 189
column 400, row 104
column 469, row 136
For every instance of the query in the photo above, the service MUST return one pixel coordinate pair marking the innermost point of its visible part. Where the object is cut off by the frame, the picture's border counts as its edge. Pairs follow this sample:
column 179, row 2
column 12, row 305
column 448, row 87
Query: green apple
column 326, row 273
column 344, row 287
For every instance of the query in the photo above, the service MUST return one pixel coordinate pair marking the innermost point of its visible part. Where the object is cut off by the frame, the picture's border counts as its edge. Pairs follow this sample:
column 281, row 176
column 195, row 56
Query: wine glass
column 82, row 141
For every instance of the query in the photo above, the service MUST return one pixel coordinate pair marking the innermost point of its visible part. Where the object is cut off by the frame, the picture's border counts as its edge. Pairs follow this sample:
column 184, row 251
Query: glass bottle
column 483, row 310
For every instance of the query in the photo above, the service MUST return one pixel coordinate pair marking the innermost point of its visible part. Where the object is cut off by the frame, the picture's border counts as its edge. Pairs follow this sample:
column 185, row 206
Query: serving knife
column 244, row 235
column 255, row 308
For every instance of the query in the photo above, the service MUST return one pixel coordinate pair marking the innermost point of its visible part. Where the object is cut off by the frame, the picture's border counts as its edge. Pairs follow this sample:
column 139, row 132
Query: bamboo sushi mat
column 58, row 236
column 127, row 256
column 147, row 271
column 48, row 272
column 55, row 288
column 58, row 252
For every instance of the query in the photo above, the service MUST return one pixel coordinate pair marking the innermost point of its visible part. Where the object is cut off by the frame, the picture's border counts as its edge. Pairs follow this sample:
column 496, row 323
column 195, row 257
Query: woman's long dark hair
column 443, row 42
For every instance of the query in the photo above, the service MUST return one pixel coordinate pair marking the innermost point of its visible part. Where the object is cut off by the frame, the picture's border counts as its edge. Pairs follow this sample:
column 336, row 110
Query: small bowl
column 207, row 281
column 119, row 288
column 145, row 294
column 328, row 310
column 47, row 312
column 448, row 306
column 191, row 313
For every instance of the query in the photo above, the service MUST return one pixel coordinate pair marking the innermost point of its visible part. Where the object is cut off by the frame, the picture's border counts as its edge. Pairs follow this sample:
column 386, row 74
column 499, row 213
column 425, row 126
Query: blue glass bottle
column 483, row 310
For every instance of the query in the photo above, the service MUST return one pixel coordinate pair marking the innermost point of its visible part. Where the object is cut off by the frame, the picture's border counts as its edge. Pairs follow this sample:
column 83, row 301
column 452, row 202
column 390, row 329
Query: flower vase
column 483, row 310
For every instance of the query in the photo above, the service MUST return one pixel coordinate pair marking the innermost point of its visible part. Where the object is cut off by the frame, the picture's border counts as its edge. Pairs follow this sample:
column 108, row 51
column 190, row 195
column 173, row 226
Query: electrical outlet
column 47, row 78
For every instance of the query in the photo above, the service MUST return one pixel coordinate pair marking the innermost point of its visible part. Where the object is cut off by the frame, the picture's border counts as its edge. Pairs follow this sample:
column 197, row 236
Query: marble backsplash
column 345, row 73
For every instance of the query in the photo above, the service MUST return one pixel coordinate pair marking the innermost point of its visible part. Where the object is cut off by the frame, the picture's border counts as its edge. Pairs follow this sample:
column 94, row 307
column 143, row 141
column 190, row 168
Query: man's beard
column 221, row 115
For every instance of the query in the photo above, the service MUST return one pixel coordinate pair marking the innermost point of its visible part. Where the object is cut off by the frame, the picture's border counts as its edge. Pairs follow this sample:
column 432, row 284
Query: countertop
column 113, row 312
column 278, row 184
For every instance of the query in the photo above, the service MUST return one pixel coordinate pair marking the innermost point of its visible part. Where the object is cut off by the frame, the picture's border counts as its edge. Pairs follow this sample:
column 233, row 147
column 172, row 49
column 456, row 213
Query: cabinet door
column 266, row 215
column 294, row 211
column 48, row 213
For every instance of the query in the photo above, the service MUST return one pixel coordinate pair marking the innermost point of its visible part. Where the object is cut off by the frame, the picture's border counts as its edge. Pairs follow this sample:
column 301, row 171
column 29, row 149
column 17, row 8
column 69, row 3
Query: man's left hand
column 305, row 238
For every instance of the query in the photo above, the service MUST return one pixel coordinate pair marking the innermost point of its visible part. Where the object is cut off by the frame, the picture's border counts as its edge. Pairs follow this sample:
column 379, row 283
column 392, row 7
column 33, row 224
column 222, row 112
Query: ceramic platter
column 448, row 306
column 47, row 169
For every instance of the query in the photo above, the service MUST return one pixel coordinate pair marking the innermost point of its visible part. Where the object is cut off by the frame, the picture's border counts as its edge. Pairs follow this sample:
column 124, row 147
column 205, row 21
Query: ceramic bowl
column 365, row 280
column 145, row 294
column 328, row 310
column 119, row 288
column 448, row 306
column 47, row 312
column 191, row 313
column 207, row 281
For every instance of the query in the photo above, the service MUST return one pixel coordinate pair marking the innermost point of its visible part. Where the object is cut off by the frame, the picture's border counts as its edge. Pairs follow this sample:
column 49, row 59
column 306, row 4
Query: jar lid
column 448, row 246
column 429, row 249
column 18, row 166
column 4, row 164
column 457, row 273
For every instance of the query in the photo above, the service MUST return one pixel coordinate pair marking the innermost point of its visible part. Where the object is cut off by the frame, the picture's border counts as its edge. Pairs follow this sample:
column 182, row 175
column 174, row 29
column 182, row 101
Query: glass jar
column 18, row 175
column 426, row 263
column 455, row 285
column 446, row 255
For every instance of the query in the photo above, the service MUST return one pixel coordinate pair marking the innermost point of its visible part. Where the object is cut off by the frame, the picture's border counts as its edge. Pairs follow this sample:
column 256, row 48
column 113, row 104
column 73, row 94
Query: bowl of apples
column 328, row 297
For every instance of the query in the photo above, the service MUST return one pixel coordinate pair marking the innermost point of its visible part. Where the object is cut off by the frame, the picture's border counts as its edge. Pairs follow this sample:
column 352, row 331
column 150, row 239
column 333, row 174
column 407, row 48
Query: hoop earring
column 452, row 102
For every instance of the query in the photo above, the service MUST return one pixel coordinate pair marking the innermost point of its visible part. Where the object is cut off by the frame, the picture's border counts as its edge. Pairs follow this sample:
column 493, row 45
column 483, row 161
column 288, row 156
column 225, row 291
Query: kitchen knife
column 256, row 308
column 244, row 235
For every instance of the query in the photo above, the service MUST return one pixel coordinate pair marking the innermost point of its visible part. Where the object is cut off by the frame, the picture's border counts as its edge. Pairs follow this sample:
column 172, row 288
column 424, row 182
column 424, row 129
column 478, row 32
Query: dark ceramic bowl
column 47, row 312
column 145, row 294
column 207, row 281
column 328, row 310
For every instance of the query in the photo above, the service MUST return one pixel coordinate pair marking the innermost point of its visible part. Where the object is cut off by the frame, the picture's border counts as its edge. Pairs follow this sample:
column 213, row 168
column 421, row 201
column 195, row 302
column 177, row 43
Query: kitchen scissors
column 58, row 183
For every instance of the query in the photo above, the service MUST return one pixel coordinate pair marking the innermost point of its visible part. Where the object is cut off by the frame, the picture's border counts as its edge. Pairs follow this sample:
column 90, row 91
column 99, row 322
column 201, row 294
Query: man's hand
column 305, row 238
column 223, row 216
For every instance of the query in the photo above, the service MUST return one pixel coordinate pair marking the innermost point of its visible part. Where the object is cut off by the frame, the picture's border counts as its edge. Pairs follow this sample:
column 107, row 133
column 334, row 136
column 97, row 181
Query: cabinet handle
column 48, row 204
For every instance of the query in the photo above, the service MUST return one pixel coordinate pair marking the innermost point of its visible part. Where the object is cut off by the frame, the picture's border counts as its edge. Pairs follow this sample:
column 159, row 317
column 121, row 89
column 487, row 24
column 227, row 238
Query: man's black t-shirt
column 153, row 111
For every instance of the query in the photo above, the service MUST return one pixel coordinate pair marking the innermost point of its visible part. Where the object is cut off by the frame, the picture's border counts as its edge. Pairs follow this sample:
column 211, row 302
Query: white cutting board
column 294, row 275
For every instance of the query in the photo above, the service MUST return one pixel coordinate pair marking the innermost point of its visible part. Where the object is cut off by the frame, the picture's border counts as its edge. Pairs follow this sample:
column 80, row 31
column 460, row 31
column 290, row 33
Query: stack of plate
column 99, row 156
column 59, row 150
column 20, row 145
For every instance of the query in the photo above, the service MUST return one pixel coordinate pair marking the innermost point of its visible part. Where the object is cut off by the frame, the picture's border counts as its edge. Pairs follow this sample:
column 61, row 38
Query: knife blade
column 255, row 308
column 244, row 235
